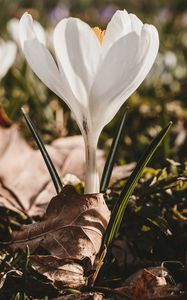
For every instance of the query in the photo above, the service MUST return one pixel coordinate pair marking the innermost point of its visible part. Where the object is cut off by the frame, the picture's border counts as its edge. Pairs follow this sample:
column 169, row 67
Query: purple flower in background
column 183, row 19
column 107, row 13
column 165, row 15
column 58, row 13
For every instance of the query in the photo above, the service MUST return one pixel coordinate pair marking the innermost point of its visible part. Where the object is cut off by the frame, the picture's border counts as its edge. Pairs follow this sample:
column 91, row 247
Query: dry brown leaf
column 3, row 276
column 61, row 272
column 71, row 231
column 148, row 284
column 73, row 226
column 37, row 287
column 123, row 252
column 25, row 184
column 18, row 163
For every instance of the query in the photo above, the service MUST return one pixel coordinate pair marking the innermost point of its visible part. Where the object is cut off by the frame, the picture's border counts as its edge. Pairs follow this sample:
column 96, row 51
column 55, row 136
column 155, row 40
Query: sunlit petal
column 43, row 64
column 96, row 72
column 7, row 56
column 124, row 68
column 136, row 24
column 120, row 25
column 40, row 33
column 78, row 54
column 13, row 30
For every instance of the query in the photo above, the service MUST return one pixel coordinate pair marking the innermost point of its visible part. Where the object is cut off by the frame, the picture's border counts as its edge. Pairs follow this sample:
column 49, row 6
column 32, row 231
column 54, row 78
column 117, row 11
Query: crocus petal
column 136, row 24
column 93, row 79
column 120, row 25
column 13, row 30
column 42, row 62
column 7, row 56
column 39, row 58
column 124, row 68
column 40, row 32
column 78, row 54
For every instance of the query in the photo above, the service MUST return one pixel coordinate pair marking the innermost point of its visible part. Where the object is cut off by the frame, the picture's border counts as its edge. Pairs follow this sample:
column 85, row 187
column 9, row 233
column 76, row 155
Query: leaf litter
column 72, row 229
column 77, row 266
column 19, row 189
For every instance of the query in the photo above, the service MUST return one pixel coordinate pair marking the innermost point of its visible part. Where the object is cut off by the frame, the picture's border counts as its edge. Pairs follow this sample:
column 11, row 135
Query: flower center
column 100, row 34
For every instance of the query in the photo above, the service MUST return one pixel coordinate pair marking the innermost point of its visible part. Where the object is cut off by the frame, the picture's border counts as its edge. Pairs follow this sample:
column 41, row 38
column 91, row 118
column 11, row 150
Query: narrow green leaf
column 18, row 296
column 119, row 208
column 51, row 168
column 112, row 153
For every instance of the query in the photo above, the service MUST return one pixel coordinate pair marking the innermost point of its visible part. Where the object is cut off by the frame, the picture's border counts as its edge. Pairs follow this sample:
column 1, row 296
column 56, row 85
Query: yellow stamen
column 100, row 33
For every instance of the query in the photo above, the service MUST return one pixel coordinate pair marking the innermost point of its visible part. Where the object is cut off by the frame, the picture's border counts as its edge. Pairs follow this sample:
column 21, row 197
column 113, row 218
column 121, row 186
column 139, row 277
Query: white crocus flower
column 7, row 56
column 13, row 30
column 95, row 71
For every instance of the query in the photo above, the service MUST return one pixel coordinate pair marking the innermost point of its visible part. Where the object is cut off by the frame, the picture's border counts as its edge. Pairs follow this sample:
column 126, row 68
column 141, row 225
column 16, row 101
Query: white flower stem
column 91, row 174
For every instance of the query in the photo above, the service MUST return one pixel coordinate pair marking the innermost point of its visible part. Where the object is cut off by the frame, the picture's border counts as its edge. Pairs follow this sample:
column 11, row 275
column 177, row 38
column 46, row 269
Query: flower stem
column 91, row 174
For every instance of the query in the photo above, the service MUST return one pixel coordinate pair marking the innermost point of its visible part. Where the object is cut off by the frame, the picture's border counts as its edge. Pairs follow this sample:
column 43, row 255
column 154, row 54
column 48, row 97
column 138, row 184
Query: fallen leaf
column 20, row 190
column 37, row 288
column 72, row 227
column 18, row 163
column 123, row 252
column 147, row 284
column 61, row 272
column 3, row 276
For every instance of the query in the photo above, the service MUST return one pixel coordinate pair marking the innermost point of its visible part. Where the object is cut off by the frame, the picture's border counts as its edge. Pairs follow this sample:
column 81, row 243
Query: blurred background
column 160, row 98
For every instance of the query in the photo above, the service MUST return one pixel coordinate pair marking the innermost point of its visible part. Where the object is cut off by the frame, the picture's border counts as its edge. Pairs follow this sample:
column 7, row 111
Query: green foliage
column 51, row 168
column 154, row 224
column 105, row 179
column 119, row 208
column 156, row 216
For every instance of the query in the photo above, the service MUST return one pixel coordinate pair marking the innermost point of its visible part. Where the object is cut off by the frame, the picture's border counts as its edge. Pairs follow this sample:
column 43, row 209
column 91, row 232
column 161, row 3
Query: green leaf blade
column 112, row 153
column 119, row 209
column 50, row 166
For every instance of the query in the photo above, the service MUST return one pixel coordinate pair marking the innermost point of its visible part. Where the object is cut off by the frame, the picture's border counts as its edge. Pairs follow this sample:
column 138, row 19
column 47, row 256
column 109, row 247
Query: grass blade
column 54, row 175
column 112, row 153
column 119, row 209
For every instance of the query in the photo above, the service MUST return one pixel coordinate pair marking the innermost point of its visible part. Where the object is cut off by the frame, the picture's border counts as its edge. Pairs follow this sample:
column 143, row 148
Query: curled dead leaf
column 147, row 284
column 71, row 230
column 61, row 272
column 72, row 227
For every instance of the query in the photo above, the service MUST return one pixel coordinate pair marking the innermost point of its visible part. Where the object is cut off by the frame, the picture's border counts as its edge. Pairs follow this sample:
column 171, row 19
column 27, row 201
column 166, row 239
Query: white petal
column 39, row 58
column 136, row 24
column 7, row 56
column 78, row 54
column 40, row 32
column 44, row 66
column 124, row 68
column 13, row 30
column 120, row 25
